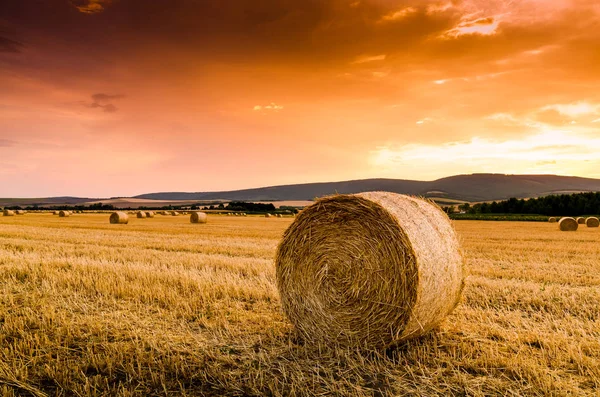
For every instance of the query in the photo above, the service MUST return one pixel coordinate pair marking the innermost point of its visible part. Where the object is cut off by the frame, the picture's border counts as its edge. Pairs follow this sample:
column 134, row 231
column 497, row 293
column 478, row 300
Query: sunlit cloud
column 548, row 151
column 482, row 26
column 273, row 107
column 369, row 58
column 426, row 120
column 90, row 6
column 574, row 109
column 439, row 7
column 398, row 14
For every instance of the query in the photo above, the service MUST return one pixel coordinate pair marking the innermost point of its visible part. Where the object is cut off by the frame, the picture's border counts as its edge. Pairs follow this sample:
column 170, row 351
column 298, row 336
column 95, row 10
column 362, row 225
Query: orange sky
column 121, row 97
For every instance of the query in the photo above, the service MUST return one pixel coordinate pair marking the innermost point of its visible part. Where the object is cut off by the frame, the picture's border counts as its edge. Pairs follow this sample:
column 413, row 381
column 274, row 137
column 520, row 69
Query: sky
column 103, row 98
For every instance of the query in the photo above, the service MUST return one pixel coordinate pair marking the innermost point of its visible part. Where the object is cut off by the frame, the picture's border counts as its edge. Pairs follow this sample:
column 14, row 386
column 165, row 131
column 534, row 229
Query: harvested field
column 166, row 307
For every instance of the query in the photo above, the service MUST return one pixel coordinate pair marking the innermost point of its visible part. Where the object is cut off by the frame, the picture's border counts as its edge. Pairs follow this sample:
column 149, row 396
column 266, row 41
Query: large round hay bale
column 119, row 217
column 141, row 214
column 592, row 222
column 552, row 220
column 64, row 214
column 174, row 213
column 581, row 220
column 568, row 224
column 149, row 214
column 198, row 217
column 369, row 270
column 8, row 213
column 20, row 212
column 267, row 215
column 55, row 213
column 279, row 216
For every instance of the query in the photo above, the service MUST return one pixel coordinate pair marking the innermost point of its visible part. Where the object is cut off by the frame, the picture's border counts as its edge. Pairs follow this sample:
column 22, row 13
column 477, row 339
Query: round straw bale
column 174, row 213
column 369, row 270
column 592, row 222
column 267, row 215
column 552, row 220
column 55, row 212
column 568, row 224
column 581, row 220
column 119, row 217
column 20, row 212
column 64, row 214
column 279, row 216
column 141, row 214
column 198, row 217
column 8, row 213
column 149, row 214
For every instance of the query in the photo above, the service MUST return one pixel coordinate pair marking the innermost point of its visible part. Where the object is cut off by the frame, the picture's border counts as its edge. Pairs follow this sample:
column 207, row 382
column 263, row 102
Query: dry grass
column 169, row 308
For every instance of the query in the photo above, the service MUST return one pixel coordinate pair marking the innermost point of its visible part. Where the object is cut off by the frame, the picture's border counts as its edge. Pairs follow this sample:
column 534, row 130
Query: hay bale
column 20, row 212
column 592, row 222
column 552, row 220
column 149, row 214
column 141, row 214
column 8, row 213
column 568, row 224
column 174, row 213
column 198, row 217
column 119, row 217
column 581, row 220
column 64, row 214
column 267, row 215
column 279, row 216
column 369, row 270
column 55, row 213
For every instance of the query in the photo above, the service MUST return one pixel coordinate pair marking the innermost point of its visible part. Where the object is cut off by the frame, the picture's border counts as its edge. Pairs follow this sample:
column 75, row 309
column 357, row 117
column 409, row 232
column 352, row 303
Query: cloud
column 273, row 107
column 481, row 26
column 574, row 109
column 8, row 45
column 369, row 58
column 102, row 101
column 7, row 143
column 398, row 14
column 90, row 6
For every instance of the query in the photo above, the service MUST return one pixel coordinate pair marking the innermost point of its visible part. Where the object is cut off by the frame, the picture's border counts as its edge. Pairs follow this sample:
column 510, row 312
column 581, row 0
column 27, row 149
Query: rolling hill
column 472, row 188
column 475, row 187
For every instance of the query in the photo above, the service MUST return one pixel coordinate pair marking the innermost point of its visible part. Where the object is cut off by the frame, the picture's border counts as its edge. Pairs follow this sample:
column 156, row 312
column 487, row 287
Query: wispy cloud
column 369, row 58
column 9, row 45
column 104, row 102
column 90, row 6
column 272, row 107
column 574, row 109
column 398, row 14
column 482, row 26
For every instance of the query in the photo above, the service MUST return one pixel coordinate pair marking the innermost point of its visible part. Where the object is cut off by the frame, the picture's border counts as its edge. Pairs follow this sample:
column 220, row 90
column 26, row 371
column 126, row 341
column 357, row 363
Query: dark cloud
column 8, row 45
column 102, row 101
column 7, row 143
column 90, row 6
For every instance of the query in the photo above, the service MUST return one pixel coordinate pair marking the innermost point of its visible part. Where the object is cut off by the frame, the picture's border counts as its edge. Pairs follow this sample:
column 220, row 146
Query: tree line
column 554, row 205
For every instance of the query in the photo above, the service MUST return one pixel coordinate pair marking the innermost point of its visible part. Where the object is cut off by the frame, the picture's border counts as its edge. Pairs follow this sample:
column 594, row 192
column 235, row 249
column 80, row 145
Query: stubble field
column 162, row 307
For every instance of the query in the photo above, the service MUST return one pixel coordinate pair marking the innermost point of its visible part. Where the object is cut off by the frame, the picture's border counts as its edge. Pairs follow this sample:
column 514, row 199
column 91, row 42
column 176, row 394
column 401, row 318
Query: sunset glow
column 123, row 97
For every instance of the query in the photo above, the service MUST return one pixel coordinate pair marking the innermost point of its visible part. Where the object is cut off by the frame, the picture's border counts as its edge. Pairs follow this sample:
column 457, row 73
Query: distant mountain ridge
column 474, row 187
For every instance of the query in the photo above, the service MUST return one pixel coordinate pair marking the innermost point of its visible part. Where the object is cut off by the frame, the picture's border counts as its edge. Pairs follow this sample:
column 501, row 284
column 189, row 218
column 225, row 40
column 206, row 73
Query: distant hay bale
column 568, row 224
column 8, row 213
column 55, row 213
column 268, row 215
column 592, row 222
column 64, row 214
column 581, row 220
column 141, row 214
column 149, row 214
column 119, row 217
column 198, row 217
column 552, row 220
column 369, row 270
column 20, row 212
column 174, row 213
column 279, row 216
